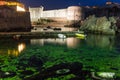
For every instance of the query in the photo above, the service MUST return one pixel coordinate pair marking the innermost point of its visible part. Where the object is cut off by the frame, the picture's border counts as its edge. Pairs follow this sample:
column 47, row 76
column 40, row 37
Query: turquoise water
column 72, row 58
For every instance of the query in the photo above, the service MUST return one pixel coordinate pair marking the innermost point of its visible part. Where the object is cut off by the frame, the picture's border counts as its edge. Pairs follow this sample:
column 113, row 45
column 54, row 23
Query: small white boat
column 62, row 36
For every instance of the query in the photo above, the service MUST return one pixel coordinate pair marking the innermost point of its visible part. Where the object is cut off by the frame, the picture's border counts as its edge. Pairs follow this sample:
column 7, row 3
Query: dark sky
column 57, row 4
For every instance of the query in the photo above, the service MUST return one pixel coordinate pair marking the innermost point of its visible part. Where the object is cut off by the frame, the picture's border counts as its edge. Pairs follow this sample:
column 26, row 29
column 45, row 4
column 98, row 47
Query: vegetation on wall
column 42, row 21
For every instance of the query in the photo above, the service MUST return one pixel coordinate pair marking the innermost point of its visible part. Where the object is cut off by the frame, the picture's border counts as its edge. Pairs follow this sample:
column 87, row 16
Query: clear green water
column 27, row 58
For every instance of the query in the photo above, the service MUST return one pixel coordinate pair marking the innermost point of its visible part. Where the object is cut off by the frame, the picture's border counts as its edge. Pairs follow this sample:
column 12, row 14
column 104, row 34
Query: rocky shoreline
column 44, row 34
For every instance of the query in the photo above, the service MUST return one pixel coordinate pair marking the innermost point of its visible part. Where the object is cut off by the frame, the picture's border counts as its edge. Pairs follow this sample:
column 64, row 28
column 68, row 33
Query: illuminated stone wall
column 74, row 13
column 14, row 3
column 68, row 14
column 55, row 13
column 35, row 13
column 10, row 20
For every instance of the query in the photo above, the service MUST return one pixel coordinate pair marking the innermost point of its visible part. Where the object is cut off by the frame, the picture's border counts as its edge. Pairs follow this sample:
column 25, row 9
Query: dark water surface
column 60, row 59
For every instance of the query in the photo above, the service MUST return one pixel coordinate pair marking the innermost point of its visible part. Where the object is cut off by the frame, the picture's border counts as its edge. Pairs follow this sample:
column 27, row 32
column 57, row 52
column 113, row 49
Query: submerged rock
column 6, row 74
column 35, row 61
column 103, row 75
column 58, row 70
column 89, row 59
column 62, row 71
column 106, row 74
column 114, row 68
column 27, row 72
column 32, row 61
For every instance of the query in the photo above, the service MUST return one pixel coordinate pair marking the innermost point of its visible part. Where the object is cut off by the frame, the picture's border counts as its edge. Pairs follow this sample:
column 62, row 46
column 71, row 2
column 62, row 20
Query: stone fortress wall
column 17, row 22
column 14, row 17
column 68, row 14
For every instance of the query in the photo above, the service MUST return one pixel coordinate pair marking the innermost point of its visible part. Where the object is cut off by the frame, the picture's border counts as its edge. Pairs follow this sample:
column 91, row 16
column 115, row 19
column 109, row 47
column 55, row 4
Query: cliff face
column 100, row 25
column 11, row 20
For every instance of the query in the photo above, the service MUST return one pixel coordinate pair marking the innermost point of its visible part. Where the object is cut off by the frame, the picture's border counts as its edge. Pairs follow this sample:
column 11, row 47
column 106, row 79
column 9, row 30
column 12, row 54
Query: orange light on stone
column 20, row 8
column 2, row 2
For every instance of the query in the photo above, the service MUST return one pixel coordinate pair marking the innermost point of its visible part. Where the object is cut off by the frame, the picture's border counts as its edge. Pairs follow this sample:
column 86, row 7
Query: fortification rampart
column 15, row 21
column 68, row 14
column 14, row 16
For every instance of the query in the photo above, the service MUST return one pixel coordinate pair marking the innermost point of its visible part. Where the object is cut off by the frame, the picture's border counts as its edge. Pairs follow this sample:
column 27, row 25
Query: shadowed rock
column 6, row 74
column 74, row 68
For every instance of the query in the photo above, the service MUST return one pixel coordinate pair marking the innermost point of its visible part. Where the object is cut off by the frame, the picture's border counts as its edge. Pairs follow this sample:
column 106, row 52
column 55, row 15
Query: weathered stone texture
column 18, row 21
column 99, row 25
column 70, row 13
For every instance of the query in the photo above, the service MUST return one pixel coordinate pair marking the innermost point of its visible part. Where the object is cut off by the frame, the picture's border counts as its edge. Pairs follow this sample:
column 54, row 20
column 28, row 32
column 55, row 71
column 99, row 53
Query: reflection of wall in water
column 16, row 52
column 56, row 41
column 42, row 42
column 70, row 42
column 37, row 42
column 12, row 47
column 100, row 40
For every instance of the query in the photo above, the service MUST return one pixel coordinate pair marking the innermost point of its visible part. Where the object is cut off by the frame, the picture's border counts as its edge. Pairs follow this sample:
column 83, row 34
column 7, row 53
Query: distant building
column 110, row 9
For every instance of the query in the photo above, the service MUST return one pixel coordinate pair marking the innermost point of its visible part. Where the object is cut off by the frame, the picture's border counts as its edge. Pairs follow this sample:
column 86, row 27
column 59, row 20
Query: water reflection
column 13, row 52
column 91, row 53
column 12, row 47
column 73, row 42
column 103, row 41
column 69, row 42
column 16, row 52
column 21, row 47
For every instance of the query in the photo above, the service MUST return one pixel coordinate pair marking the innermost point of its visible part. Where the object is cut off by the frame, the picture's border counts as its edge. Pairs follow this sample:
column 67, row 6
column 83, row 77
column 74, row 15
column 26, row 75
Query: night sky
column 57, row 4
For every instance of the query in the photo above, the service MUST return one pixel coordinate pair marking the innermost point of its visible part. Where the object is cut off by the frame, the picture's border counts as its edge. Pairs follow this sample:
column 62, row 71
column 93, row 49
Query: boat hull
column 80, row 35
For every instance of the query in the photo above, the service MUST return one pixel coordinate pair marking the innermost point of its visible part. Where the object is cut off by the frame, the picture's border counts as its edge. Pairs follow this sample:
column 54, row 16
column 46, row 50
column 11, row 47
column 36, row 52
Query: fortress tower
column 13, row 16
column 13, row 4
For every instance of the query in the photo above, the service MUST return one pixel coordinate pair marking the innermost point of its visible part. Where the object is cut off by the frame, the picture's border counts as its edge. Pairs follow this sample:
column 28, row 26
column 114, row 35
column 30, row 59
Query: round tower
column 74, row 13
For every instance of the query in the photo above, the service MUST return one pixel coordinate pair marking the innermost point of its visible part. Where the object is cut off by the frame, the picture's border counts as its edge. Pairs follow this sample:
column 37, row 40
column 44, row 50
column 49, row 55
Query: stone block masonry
column 68, row 14
column 15, row 21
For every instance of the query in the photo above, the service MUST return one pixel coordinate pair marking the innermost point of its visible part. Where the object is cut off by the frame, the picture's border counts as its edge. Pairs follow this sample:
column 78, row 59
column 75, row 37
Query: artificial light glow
column 108, row 2
column 21, row 47
column 20, row 8
column 16, row 52
column 2, row 3
column 13, row 52
column 72, row 42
